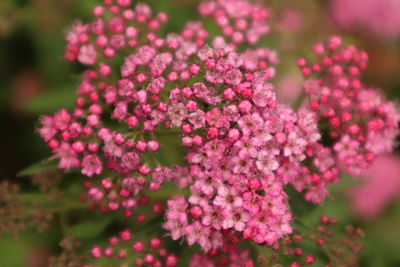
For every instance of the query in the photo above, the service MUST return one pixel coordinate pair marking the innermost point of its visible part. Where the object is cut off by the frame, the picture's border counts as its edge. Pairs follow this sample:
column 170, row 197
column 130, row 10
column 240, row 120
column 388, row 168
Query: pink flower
column 177, row 113
column 212, row 217
column 247, row 147
column 197, row 233
column 48, row 130
column 176, row 228
column 262, row 95
column 295, row 145
column 126, row 88
column 112, row 149
column 267, row 163
column 250, row 123
column 227, row 198
column 214, row 149
column 231, row 112
column 62, row 119
column 380, row 187
column 91, row 164
column 130, row 160
column 346, row 147
column 235, row 218
column 68, row 157
column 233, row 77
column 177, row 209
column 77, row 28
column 215, row 118
column 120, row 111
column 197, row 118
column 87, row 55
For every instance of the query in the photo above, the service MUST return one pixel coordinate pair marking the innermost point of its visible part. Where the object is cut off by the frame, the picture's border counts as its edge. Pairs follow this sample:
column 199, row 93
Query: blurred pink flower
column 381, row 186
column 289, row 87
column 379, row 18
column 292, row 20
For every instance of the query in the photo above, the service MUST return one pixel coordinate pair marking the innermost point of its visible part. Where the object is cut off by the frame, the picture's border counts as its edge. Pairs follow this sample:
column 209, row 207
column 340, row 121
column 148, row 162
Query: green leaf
column 90, row 229
column 51, row 100
column 11, row 250
column 32, row 197
column 38, row 167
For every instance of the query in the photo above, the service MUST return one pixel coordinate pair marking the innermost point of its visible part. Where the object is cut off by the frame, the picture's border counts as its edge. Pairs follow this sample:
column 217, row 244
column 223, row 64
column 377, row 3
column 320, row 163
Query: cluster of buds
column 358, row 123
column 242, row 146
column 152, row 254
column 239, row 21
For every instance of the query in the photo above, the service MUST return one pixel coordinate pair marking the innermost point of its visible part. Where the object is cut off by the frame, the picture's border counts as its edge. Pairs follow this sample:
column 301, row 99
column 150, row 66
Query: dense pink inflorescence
column 242, row 146
column 250, row 149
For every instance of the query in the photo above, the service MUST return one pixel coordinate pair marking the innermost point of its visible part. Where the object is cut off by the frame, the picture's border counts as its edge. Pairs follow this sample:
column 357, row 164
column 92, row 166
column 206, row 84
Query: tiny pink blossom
column 91, row 164
column 235, row 218
column 227, row 198
column 87, row 55
column 68, row 157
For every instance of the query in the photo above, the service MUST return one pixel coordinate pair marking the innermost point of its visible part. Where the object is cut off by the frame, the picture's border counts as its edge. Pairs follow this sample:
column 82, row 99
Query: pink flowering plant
column 185, row 154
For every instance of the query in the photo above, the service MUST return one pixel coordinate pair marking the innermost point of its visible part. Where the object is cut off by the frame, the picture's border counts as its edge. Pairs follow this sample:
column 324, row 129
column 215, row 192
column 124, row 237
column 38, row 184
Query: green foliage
column 91, row 229
column 51, row 100
column 39, row 167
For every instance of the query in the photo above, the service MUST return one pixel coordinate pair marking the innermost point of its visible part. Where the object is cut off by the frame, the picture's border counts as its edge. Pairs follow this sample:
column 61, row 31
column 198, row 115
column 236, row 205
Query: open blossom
column 346, row 147
column 197, row 233
column 267, row 163
column 87, row 55
column 227, row 199
column 177, row 113
column 48, row 129
column 261, row 96
column 91, row 164
column 235, row 218
column 68, row 157
column 197, row 118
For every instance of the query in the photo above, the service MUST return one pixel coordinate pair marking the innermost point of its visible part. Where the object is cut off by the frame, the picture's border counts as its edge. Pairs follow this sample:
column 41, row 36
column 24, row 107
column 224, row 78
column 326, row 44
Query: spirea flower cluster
column 243, row 148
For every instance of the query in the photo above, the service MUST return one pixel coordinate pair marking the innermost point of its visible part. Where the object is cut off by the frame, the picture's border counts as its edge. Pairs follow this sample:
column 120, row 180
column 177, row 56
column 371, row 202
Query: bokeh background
column 34, row 79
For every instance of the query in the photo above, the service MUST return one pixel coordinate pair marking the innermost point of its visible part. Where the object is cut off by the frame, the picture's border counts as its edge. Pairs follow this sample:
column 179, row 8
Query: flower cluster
column 242, row 146
column 358, row 123
column 241, row 157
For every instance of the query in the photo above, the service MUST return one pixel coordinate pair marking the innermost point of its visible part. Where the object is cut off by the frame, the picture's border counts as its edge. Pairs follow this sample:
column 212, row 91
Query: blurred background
column 34, row 80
